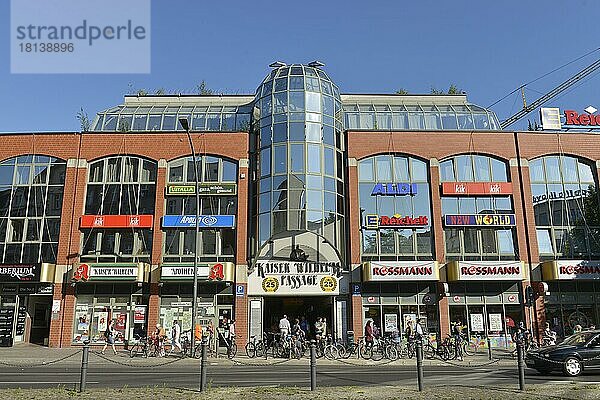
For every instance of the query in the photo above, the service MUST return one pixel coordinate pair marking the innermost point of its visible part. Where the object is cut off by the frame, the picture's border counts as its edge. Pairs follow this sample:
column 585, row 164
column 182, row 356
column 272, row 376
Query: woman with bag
column 109, row 337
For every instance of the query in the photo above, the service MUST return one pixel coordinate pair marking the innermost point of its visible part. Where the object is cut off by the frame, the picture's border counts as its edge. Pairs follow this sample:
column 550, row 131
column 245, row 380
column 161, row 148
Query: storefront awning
column 570, row 269
column 378, row 271
column 222, row 271
column 486, row 271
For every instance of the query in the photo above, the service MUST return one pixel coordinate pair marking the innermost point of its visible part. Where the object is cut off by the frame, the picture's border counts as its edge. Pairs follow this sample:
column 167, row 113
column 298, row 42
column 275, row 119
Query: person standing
column 176, row 335
column 304, row 325
column 284, row 326
column 324, row 327
column 319, row 328
column 369, row 333
column 419, row 329
column 109, row 337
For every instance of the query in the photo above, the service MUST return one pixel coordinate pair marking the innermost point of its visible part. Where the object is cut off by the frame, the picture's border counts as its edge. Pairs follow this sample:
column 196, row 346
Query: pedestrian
column 232, row 330
column 577, row 329
column 176, row 335
column 457, row 333
column 109, row 337
column 549, row 338
column 369, row 333
column 296, row 328
column 159, row 339
column 409, row 331
column 319, row 328
column 324, row 327
column 284, row 326
column 419, row 329
column 304, row 325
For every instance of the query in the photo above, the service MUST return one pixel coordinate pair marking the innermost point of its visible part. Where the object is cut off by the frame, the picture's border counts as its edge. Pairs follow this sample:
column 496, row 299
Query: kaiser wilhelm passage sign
column 273, row 278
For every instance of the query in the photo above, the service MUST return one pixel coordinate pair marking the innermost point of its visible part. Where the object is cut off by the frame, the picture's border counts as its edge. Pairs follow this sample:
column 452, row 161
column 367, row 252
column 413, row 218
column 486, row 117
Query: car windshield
column 579, row 338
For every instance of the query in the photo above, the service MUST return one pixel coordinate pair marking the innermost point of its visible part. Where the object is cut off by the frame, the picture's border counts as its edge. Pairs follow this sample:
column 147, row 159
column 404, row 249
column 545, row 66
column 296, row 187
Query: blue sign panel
column 240, row 290
column 394, row 189
column 206, row 221
column 480, row 220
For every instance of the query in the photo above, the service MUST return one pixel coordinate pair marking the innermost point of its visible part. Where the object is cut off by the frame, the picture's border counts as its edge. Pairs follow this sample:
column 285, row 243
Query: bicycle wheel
column 251, row 350
column 365, row 352
column 134, row 351
column 470, row 348
column 391, row 352
column 331, row 352
column 232, row 351
column 377, row 352
column 260, row 349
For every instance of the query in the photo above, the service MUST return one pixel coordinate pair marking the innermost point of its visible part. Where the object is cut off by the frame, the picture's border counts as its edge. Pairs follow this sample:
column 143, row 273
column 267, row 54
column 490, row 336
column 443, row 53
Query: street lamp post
column 186, row 126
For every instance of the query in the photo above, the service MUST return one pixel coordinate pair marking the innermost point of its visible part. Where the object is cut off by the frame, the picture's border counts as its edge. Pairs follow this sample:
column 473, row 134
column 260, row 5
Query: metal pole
column 313, row 365
column 203, row 366
column 195, row 289
column 84, row 365
column 489, row 343
column 521, row 365
column 419, row 345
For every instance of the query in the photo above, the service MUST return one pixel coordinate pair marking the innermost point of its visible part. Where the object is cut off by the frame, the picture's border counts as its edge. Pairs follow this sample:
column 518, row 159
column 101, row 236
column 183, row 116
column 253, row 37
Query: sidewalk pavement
column 28, row 354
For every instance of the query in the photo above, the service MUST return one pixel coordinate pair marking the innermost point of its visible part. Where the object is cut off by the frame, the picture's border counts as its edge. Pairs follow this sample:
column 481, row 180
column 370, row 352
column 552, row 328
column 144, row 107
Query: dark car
column 572, row 356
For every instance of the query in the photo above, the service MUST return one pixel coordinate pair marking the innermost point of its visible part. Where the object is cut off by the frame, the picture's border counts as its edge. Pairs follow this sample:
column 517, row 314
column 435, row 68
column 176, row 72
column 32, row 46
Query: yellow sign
column 328, row 284
column 270, row 284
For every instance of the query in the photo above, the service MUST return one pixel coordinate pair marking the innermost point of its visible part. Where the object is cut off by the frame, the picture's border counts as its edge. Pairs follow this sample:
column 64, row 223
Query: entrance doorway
column 297, row 307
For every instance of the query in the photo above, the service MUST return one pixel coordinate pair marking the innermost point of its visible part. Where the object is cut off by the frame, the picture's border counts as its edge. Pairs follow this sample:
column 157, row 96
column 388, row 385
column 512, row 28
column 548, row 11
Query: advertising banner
column 477, row 323
column 476, row 188
column 205, row 189
column 116, row 221
column 480, row 220
column 400, row 271
column 495, row 322
column 571, row 270
column 391, row 323
column 20, row 272
column 486, row 271
column 205, row 221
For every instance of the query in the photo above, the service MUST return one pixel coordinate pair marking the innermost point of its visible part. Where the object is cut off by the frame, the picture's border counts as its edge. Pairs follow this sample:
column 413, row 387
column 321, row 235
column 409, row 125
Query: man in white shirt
column 176, row 335
column 284, row 326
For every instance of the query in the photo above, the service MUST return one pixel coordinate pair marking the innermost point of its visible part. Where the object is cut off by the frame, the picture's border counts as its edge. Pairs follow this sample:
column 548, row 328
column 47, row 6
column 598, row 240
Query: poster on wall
column 391, row 323
column 121, row 321
column 409, row 318
column 477, row 323
column 102, row 321
column 495, row 322
column 139, row 316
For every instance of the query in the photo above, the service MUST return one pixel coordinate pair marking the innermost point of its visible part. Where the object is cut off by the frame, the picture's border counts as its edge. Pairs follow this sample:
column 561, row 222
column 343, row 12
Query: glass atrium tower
column 299, row 185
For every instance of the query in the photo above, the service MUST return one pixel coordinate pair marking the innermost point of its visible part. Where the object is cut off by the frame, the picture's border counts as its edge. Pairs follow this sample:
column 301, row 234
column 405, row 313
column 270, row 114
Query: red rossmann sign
column 490, row 270
column 573, row 118
column 399, row 271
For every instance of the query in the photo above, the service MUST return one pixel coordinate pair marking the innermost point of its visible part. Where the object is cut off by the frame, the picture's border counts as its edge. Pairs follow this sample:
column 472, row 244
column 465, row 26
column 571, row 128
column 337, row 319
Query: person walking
column 176, row 336
column 369, row 336
column 457, row 331
column 109, row 337
column 284, row 326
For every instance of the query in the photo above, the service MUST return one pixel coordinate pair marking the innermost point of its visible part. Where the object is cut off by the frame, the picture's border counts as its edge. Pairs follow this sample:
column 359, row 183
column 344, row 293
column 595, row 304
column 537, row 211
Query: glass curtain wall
column 298, row 128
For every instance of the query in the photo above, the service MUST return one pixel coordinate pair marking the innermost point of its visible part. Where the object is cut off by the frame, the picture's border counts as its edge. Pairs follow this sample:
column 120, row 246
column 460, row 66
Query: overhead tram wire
column 544, row 75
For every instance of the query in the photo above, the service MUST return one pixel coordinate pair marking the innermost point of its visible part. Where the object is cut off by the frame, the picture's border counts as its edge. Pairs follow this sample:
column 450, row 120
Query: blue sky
column 486, row 48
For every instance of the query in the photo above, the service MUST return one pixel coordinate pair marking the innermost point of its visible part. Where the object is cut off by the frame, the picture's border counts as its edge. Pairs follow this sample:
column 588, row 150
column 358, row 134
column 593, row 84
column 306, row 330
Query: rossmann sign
column 571, row 270
column 486, row 271
column 400, row 271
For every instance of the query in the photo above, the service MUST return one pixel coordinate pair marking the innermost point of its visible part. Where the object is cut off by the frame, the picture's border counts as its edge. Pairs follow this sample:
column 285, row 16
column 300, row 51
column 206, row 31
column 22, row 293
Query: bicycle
column 470, row 347
column 140, row 347
column 255, row 348
column 230, row 344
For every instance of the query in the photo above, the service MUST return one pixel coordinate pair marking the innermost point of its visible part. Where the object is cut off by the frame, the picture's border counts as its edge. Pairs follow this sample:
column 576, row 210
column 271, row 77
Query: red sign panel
column 573, row 118
column 476, row 188
column 116, row 221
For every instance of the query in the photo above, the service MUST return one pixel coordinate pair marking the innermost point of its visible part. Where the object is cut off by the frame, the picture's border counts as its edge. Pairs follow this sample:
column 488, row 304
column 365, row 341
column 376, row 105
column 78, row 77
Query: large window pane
column 314, row 155
column 482, row 169
column 384, row 168
column 544, row 241
column 464, row 168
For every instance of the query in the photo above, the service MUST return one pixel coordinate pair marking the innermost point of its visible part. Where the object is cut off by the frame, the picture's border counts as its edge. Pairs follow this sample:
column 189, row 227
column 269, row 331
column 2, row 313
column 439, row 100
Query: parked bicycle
column 140, row 347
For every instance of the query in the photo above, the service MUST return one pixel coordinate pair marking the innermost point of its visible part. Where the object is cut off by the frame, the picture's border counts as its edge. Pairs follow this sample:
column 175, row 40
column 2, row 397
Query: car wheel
column 572, row 366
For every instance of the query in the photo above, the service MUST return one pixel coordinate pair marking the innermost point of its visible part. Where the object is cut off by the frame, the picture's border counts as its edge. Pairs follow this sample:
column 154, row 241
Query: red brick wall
column 241, row 317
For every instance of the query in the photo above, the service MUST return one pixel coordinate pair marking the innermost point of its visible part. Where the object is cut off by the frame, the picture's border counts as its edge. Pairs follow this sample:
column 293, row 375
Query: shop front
column 574, row 294
column 485, row 297
column 298, row 289
column 215, row 294
column 396, row 293
column 110, row 292
column 25, row 303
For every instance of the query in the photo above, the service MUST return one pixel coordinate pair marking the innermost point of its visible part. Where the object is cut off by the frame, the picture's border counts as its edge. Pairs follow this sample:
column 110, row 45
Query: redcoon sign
column 571, row 269
column 373, row 221
column 476, row 188
column 486, row 271
column 400, row 271
column 116, row 221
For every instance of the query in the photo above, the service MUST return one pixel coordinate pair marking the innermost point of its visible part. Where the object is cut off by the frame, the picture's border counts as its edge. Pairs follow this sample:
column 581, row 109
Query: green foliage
column 142, row 92
column 401, row 91
column 84, row 120
column 203, row 89
column 453, row 89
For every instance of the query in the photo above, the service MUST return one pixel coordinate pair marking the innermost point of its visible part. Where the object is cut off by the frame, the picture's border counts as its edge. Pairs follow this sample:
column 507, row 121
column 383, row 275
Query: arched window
column 472, row 242
column 31, row 197
column 378, row 177
column 119, row 185
column 565, row 204
column 215, row 244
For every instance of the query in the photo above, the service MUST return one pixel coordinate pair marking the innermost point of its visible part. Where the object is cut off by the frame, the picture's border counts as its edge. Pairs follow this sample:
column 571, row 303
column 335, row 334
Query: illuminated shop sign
column 571, row 269
column 19, row 272
column 588, row 119
column 224, row 271
column 400, row 271
column 120, row 271
column 274, row 278
column 116, row 221
column 564, row 195
column 486, row 271
column 373, row 221
column 480, row 220
column 476, row 188
column 205, row 221
column 205, row 189
column 394, row 189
